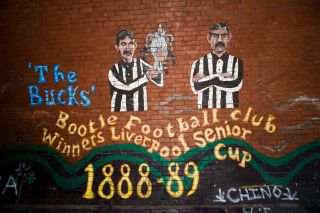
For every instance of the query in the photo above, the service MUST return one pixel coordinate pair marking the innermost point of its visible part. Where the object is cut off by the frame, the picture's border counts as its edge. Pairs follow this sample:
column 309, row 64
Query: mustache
column 220, row 44
column 127, row 52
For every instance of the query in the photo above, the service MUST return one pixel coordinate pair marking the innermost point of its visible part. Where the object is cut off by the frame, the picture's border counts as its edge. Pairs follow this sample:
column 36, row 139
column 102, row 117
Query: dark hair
column 123, row 34
column 218, row 26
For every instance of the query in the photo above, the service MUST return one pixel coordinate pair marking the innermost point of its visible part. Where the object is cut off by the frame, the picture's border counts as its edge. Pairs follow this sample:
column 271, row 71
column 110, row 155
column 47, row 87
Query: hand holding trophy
column 160, row 46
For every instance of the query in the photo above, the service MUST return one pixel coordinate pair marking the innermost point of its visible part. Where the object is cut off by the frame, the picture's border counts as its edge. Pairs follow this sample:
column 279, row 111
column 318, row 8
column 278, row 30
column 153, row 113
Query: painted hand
column 225, row 75
column 161, row 55
column 152, row 74
column 197, row 77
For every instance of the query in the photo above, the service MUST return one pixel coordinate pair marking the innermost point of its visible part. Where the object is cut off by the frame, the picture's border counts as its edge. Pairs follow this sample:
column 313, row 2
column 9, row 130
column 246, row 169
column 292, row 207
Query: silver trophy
column 159, row 44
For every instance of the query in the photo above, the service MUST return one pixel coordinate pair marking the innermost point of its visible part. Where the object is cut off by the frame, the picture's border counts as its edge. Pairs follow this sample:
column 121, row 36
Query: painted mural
column 66, row 96
column 110, row 141
column 217, row 77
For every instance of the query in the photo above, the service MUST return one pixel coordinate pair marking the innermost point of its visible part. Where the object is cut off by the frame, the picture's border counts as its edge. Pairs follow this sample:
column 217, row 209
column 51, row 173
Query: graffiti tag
column 238, row 195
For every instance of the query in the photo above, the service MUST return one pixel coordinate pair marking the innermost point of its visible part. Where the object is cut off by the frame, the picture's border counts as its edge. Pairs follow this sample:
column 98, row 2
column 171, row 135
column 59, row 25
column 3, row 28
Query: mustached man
column 129, row 77
column 216, row 78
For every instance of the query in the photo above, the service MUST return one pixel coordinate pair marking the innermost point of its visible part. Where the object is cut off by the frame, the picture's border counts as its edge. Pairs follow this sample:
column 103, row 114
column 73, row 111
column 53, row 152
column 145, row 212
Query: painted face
column 219, row 40
column 126, row 47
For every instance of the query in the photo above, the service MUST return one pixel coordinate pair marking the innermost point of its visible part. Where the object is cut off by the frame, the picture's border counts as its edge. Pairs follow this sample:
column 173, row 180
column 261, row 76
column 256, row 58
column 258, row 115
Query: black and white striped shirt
column 128, row 86
column 213, row 90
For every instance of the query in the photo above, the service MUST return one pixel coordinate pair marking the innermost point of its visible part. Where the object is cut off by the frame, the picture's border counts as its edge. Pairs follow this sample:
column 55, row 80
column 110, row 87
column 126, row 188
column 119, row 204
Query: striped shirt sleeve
column 228, row 86
column 119, row 84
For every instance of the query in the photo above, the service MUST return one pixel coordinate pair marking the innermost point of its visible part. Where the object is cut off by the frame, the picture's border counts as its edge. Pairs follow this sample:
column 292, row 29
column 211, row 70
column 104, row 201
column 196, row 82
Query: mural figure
column 217, row 77
column 128, row 78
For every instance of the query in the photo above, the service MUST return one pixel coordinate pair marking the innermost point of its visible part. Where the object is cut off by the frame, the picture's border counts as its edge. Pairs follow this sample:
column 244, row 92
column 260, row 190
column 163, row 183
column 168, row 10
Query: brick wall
column 276, row 41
